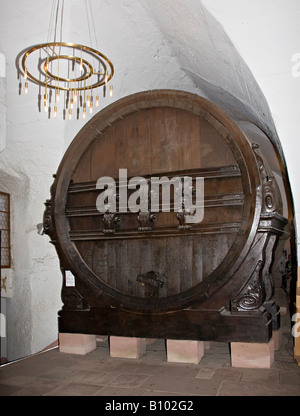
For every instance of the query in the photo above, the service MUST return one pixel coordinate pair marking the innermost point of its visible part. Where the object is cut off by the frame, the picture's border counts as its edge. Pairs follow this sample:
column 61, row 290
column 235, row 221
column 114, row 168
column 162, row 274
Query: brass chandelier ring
column 68, row 58
column 104, row 77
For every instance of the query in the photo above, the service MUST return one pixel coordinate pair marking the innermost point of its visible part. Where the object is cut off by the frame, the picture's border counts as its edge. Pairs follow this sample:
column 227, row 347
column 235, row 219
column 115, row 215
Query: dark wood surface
column 152, row 275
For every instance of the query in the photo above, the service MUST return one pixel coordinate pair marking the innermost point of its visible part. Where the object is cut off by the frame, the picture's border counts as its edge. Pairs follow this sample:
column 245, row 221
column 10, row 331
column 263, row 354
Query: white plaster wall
column 153, row 44
column 30, row 158
column 2, row 101
column 267, row 35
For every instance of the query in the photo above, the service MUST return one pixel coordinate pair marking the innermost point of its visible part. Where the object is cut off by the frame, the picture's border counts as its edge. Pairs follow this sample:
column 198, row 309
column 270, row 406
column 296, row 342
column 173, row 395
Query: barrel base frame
column 200, row 325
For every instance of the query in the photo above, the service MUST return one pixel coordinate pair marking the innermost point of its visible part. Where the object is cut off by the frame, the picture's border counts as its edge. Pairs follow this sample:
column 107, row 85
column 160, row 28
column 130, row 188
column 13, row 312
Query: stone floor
column 53, row 373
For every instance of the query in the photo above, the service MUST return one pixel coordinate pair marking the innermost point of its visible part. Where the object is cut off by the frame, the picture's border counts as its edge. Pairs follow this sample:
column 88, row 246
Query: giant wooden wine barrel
column 143, row 268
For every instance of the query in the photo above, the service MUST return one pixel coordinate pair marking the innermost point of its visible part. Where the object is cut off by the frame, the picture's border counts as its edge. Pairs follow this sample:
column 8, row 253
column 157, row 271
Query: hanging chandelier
column 77, row 72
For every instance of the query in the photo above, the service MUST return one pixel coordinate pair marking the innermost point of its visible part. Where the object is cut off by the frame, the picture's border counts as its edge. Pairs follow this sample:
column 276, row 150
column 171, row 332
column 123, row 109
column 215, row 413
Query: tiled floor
column 97, row 374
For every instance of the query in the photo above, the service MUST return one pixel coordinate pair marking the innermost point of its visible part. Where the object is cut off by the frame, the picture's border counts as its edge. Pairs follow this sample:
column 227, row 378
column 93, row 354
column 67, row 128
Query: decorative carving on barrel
column 146, row 219
column 270, row 191
column 111, row 222
column 181, row 216
column 252, row 296
column 48, row 221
